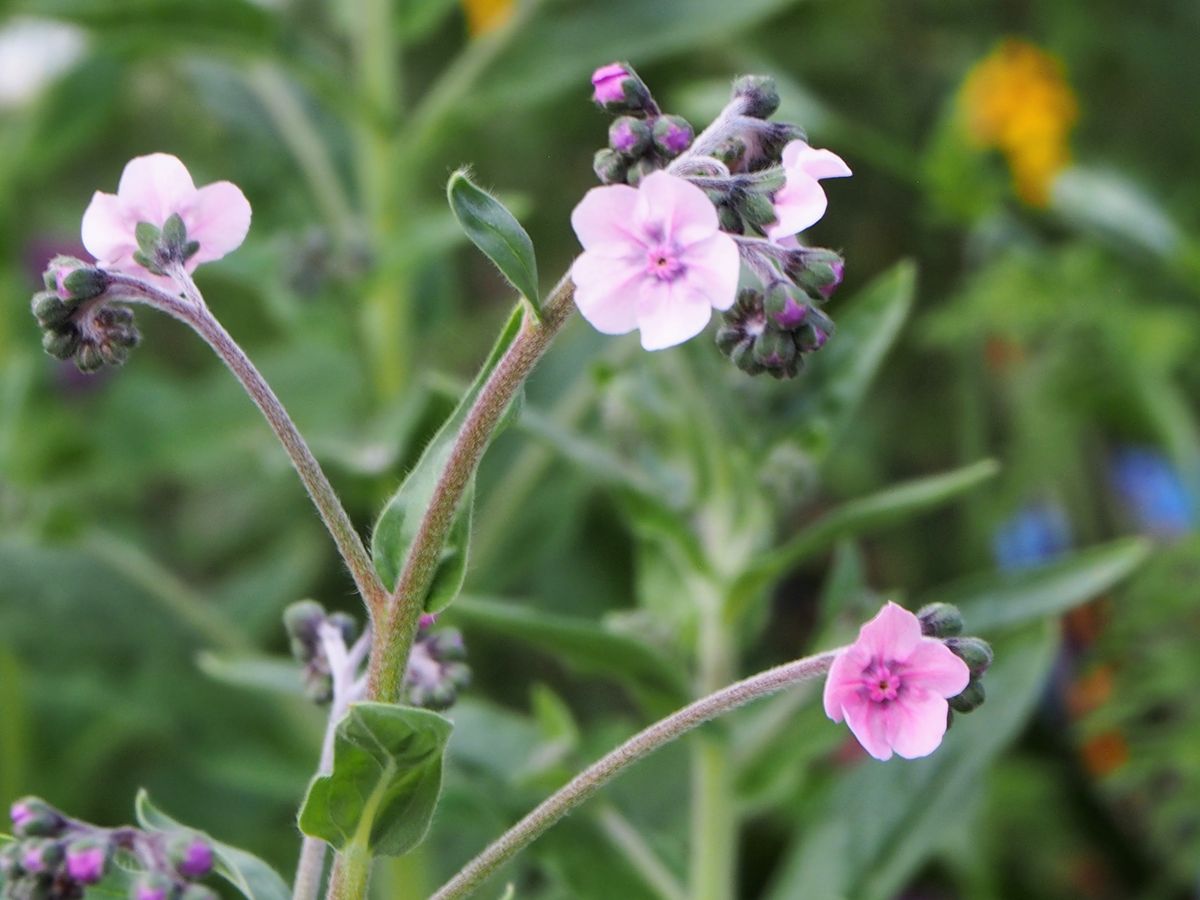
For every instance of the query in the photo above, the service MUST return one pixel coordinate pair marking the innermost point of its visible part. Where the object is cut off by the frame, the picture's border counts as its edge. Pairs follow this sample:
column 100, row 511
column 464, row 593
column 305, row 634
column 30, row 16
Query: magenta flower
column 891, row 686
column 654, row 259
column 608, row 83
column 801, row 202
column 86, row 864
column 152, row 188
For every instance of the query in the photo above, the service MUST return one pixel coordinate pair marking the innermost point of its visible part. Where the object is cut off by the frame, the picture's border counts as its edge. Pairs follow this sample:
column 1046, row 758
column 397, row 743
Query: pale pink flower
column 801, row 202
column 654, row 259
column 891, row 686
column 152, row 188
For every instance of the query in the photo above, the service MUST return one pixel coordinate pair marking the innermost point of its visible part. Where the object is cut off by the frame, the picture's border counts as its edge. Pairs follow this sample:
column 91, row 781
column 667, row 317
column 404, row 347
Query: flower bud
column 617, row 88
column 629, row 137
column 757, row 209
column 87, row 860
column 672, row 135
column 940, row 620
column 61, row 343
column 191, row 855
column 346, row 624
column 152, row 886
column 811, row 337
column 776, row 352
column 41, row 856
column 732, row 152
column 34, row 817
column 759, row 95
column 447, row 645
column 783, row 308
column 971, row 698
column 638, row 171
column 88, row 358
column 50, row 309
column 10, row 862
column 610, row 167
column 73, row 279
column 729, row 218
column 302, row 619
column 976, row 653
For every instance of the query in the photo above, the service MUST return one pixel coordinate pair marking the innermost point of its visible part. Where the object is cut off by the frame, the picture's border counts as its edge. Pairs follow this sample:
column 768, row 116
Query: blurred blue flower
column 1035, row 534
column 1152, row 492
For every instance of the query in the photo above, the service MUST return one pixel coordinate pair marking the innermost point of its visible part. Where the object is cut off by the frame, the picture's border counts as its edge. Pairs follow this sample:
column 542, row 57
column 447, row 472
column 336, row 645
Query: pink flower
column 152, row 188
column 654, row 259
column 891, row 686
column 801, row 202
column 609, row 83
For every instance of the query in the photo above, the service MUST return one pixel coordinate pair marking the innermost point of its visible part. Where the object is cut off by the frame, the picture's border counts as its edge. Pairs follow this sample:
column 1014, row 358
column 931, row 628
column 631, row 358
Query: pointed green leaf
column 495, row 231
column 387, row 775
column 1006, row 599
column 279, row 675
column 246, row 872
column 401, row 517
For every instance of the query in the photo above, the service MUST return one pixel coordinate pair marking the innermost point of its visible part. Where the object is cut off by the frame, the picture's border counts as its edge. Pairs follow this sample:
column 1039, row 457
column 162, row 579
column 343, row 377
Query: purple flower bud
column 428, row 620
column 32, row 861
column 86, row 861
column 195, row 858
column 792, row 315
column 672, row 135
column 609, row 83
column 21, row 812
column 153, row 887
column 629, row 136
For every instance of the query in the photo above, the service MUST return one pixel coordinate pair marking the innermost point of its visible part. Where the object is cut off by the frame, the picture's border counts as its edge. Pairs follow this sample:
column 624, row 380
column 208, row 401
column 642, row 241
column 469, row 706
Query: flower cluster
column 1017, row 100
column 666, row 239
column 896, row 685
column 437, row 668
column 310, row 631
column 76, row 321
column 58, row 858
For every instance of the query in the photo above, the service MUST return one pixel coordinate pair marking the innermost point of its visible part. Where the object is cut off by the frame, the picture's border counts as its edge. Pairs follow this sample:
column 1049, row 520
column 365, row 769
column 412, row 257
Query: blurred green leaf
column 837, row 381
column 387, row 775
column 496, row 232
column 1107, row 204
column 265, row 673
column 417, row 18
column 882, row 820
column 246, row 872
column 1003, row 600
column 222, row 23
column 584, row 645
column 398, row 523
column 857, row 517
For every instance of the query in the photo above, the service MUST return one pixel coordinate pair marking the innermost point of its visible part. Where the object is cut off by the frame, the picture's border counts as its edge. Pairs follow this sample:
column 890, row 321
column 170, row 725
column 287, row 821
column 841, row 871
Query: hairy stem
column 191, row 309
column 608, row 767
column 389, row 658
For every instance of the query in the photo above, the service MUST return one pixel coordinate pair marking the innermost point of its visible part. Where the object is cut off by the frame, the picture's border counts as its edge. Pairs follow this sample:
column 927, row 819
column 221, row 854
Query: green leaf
column 246, row 872
column 837, row 381
column 417, row 18
column 584, row 645
column 883, row 820
column 387, row 775
column 495, row 231
column 1006, row 599
column 401, row 517
column 894, row 504
column 278, row 675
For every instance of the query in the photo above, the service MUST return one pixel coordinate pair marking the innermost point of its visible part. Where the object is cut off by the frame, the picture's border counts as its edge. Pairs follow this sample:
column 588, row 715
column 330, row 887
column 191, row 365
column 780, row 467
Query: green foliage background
column 151, row 532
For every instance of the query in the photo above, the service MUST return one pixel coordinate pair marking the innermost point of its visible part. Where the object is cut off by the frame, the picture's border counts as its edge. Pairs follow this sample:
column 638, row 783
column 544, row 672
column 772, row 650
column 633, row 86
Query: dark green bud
column 940, row 620
column 629, row 137
column 89, row 358
column 976, row 653
column 775, row 351
column 85, row 283
column 758, row 210
column 730, row 219
column 638, row 171
column 302, row 619
column 50, row 310
column 759, row 93
column 610, row 167
column 732, row 152
column 969, row 699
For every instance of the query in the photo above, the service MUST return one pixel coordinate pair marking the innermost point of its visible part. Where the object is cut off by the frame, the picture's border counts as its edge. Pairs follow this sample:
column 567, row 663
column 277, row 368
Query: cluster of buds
column 943, row 621
column 642, row 139
column 305, row 622
column 58, row 858
column 772, row 331
column 437, row 668
column 76, row 320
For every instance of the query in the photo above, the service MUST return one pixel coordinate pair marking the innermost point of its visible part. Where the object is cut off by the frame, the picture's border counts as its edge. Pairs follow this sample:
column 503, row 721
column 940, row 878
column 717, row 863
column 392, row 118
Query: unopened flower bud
column 10, row 862
column 61, row 343
column 610, row 167
column 775, row 350
column 629, row 136
column 730, row 219
column 152, row 886
column 811, row 337
column 301, row 620
column 759, row 94
column 73, row 279
column 757, row 209
column 617, row 88
column 346, row 624
column 41, row 856
column 447, row 645
column 191, row 855
column 672, row 135
column 87, row 860
column 732, row 152
column 50, row 309
column 427, row 621
column 638, row 171
column 969, row 699
column 785, row 311
column 88, row 358
column 940, row 620
column 976, row 653
column 34, row 817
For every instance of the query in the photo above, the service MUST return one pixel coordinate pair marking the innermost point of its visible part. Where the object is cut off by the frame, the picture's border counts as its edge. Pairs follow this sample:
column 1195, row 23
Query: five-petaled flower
column 801, row 202
column 152, row 188
column 891, row 686
column 654, row 259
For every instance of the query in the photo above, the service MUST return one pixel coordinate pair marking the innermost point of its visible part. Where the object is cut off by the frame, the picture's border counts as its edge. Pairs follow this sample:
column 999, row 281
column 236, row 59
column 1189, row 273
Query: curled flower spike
column 891, row 686
column 154, row 189
column 654, row 259
column 802, row 201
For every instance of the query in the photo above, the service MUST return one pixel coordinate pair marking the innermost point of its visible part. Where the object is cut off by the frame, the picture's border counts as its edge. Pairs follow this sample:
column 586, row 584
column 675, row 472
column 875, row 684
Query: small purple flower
column 86, row 862
column 197, row 859
column 609, row 83
column 153, row 887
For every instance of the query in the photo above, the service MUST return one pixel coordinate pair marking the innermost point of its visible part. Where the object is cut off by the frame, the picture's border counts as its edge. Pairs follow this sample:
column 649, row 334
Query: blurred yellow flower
column 487, row 15
column 1017, row 100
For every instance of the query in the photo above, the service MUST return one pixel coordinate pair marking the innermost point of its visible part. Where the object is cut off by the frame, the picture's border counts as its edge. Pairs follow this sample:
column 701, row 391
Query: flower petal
column 813, row 162
column 152, row 187
column 713, row 268
column 604, row 219
column 933, row 667
column 670, row 313
column 104, row 231
column 218, row 216
column 869, row 723
column 606, row 292
column 798, row 205
column 916, row 725
column 842, row 684
column 892, row 635
column 673, row 209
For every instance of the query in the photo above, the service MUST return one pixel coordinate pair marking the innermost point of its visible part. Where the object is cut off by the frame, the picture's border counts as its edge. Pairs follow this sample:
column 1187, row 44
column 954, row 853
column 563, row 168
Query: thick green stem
column 641, row 745
column 351, row 874
column 389, row 655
